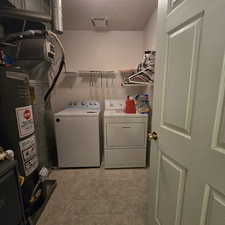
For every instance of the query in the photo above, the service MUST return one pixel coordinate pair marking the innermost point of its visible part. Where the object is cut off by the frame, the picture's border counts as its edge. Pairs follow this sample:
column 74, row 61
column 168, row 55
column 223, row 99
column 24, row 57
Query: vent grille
column 99, row 23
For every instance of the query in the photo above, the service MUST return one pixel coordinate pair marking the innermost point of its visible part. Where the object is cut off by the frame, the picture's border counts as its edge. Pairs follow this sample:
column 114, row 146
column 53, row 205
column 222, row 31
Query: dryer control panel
column 114, row 104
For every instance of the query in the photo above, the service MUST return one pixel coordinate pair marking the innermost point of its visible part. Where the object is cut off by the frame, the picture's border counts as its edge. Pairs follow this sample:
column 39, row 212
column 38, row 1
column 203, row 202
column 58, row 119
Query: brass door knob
column 153, row 136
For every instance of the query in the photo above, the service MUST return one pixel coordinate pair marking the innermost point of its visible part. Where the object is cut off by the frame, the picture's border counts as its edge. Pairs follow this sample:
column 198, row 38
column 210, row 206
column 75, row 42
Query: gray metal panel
column 34, row 10
column 43, row 118
column 41, row 6
column 17, row 3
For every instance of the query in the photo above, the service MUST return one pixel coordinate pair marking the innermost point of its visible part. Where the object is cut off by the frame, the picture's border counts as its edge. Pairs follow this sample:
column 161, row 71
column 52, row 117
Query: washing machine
column 125, row 137
column 77, row 135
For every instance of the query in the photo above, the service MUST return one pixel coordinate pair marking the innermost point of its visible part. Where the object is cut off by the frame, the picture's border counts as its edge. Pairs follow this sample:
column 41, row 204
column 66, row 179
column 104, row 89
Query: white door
column 188, row 159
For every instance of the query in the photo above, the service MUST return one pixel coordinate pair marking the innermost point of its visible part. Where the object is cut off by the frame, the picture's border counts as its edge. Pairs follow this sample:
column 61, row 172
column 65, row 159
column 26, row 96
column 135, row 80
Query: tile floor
column 98, row 197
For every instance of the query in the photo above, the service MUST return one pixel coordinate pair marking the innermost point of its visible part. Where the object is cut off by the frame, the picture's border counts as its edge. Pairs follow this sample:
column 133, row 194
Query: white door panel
column 180, row 74
column 213, row 207
column 173, row 4
column 170, row 191
column 188, row 159
column 218, row 141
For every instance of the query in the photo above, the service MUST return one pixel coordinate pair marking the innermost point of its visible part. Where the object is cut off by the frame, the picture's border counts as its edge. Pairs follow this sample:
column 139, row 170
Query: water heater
column 17, row 126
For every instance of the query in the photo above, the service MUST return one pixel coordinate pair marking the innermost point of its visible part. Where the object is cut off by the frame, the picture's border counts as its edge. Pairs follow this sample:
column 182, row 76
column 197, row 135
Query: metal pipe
column 57, row 16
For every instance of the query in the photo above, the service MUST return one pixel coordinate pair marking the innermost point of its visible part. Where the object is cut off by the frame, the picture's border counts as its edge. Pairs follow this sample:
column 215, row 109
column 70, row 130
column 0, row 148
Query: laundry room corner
column 112, row 112
column 91, row 78
column 107, row 51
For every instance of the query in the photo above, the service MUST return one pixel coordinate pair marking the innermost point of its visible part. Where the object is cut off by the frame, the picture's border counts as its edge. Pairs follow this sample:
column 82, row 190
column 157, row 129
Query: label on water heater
column 28, row 150
column 25, row 121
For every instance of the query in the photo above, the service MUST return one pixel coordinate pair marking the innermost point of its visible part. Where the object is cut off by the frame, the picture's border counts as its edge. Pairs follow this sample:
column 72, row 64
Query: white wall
column 150, row 38
column 150, row 32
column 88, row 50
column 113, row 50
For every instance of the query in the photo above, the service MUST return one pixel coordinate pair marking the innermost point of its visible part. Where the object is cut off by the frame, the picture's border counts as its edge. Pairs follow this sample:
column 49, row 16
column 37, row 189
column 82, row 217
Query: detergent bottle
column 130, row 105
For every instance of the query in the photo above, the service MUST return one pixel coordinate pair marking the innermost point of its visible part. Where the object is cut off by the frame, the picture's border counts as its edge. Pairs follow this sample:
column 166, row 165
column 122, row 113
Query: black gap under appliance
column 11, row 204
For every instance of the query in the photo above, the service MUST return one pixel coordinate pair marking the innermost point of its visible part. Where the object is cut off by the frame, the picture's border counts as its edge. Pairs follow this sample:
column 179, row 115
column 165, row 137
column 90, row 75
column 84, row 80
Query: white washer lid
column 74, row 112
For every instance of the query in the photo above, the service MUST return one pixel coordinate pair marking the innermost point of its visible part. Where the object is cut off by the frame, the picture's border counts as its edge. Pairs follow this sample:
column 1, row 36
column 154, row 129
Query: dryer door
column 125, row 135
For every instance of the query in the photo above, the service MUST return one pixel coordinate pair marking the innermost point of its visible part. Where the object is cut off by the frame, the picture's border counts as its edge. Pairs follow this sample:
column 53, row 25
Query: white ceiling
column 122, row 14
